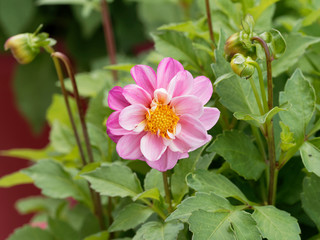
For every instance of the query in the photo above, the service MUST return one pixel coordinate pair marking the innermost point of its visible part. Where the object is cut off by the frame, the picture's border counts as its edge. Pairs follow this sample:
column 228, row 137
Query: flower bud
column 234, row 45
column 23, row 47
column 241, row 66
column 248, row 24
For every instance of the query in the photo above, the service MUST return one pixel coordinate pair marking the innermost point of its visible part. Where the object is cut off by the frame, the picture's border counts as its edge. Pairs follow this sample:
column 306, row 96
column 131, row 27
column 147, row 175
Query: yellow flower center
column 161, row 120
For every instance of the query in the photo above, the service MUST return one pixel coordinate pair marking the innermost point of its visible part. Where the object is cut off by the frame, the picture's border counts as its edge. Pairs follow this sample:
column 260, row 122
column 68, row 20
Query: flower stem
column 273, row 171
column 269, row 69
column 210, row 25
column 95, row 196
column 108, row 35
column 261, row 83
column 65, row 95
column 256, row 95
column 167, row 191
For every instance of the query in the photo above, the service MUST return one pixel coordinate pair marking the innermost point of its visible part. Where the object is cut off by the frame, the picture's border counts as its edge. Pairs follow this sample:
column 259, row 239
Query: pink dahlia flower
column 161, row 117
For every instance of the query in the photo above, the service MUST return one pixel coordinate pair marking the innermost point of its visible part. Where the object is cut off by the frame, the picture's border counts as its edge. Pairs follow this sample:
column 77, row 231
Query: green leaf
column 34, row 92
column 240, row 152
column 179, row 185
column 130, row 217
column 40, row 204
column 126, row 67
column 89, row 84
column 153, row 180
column 55, row 2
column 62, row 138
column 99, row 236
column 56, row 182
column 62, row 230
column 223, row 225
column 310, row 157
column 311, row 17
column 30, row 233
column 175, row 45
column 99, row 139
column 296, row 47
column 201, row 181
column 258, row 10
column 205, row 161
column 310, row 198
column 14, row 19
column 287, row 138
column 208, row 202
column 152, row 193
column 114, row 180
column 14, row 179
column 159, row 231
column 25, row 153
column 58, row 111
column 299, row 93
column 276, row 224
column 258, row 119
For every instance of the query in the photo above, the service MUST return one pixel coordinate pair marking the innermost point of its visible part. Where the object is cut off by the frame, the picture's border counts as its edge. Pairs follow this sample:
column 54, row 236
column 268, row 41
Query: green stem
column 167, row 191
column 209, row 21
column 95, row 196
column 273, row 177
column 256, row 95
column 155, row 209
column 260, row 144
column 108, row 36
column 66, row 100
column 261, row 83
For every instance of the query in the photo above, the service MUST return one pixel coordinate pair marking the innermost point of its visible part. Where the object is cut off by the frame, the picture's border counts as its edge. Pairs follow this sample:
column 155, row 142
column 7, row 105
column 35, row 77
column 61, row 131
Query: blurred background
column 26, row 90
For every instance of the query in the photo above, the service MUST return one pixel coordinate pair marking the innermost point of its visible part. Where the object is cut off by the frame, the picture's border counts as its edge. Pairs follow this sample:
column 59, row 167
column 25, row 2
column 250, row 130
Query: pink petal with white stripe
column 188, row 104
column 192, row 132
column 145, row 77
column 209, row 117
column 152, row 146
column 116, row 100
column 167, row 69
column 136, row 95
column 203, row 89
column 167, row 161
column 128, row 146
column 131, row 116
column 181, row 84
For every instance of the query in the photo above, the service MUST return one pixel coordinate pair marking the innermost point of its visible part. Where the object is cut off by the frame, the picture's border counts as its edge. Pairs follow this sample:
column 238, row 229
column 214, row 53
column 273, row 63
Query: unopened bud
column 241, row 66
column 248, row 24
column 234, row 45
column 22, row 47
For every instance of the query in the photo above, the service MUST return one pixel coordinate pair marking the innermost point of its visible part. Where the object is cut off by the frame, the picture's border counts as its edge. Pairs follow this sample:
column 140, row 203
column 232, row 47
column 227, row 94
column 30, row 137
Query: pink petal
column 136, row 95
column 152, row 146
column 209, row 117
column 113, row 125
column 202, row 89
column 178, row 145
column 167, row 69
column 128, row 147
column 145, row 77
column 131, row 116
column 188, row 104
column 181, row 84
column 192, row 132
column 167, row 161
column 161, row 96
column 116, row 100
column 113, row 137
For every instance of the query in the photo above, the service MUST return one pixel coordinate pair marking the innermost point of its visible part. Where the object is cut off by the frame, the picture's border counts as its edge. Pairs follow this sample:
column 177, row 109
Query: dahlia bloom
column 161, row 117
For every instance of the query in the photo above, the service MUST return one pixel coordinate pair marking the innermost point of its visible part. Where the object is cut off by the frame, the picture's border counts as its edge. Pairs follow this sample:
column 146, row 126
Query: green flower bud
column 248, row 24
column 234, row 45
column 23, row 47
column 241, row 66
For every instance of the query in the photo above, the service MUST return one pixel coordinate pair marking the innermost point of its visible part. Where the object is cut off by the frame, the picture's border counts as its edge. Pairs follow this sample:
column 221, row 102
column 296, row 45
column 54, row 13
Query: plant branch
column 167, row 191
column 108, row 36
column 66, row 100
column 210, row 24
column 95, row 196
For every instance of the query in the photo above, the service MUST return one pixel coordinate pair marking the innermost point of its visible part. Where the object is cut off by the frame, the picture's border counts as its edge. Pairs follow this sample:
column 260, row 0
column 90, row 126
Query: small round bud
column 241, row 65
column 22, row 47
column 234, row 45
